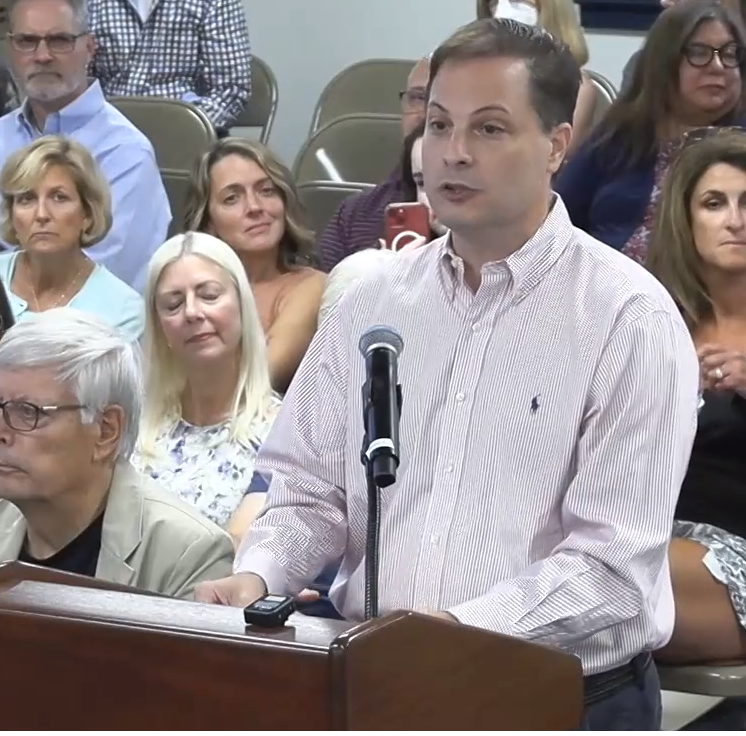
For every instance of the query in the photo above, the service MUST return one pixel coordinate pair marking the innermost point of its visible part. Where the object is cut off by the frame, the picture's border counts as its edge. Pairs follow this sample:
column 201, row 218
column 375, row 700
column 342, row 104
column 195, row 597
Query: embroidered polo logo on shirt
column 535, row 404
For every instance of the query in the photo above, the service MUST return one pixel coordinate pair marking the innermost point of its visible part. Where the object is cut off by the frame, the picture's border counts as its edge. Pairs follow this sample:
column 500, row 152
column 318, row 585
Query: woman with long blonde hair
column 209, row 402
column 560, row 18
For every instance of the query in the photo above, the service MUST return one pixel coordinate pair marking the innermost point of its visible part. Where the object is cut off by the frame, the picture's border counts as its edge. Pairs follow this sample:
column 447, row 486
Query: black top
column 714, row 489
column 79, row 556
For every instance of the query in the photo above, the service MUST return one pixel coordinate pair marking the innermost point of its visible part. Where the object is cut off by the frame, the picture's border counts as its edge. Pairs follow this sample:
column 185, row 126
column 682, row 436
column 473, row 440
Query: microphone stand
column 373, row 527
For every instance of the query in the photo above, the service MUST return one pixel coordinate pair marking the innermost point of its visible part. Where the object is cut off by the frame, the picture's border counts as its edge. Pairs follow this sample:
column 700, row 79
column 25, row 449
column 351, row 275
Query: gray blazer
column 150, row 539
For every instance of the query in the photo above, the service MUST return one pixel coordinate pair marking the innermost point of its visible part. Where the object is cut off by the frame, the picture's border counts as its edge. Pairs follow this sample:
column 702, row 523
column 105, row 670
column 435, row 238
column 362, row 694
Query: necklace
column 62, row 296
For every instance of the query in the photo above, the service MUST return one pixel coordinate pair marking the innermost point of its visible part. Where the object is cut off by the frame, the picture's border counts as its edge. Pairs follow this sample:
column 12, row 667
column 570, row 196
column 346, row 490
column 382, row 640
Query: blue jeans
column 635, row 707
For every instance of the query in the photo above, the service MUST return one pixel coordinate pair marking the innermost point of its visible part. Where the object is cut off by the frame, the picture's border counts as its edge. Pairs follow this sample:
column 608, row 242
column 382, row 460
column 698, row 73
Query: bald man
column 359, row 221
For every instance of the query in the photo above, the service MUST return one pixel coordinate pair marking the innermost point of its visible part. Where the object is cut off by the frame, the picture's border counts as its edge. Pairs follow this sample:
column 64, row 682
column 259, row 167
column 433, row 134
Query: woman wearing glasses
column 698, row 252
column 690, row 75
column 56, row 204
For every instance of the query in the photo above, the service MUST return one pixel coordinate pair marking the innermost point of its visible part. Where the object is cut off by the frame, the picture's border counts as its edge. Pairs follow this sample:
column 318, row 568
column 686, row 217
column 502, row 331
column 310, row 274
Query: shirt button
column 460, row 396
column 434, row 540
column 449, row 469
column 475, row 327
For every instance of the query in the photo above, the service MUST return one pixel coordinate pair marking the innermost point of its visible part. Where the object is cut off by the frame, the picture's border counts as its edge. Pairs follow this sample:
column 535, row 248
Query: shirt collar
column 70, row 118
column 526, row 266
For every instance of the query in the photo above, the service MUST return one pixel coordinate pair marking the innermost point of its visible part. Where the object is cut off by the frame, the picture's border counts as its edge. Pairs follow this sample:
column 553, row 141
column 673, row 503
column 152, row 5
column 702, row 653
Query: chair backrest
column 262, row 107
column 176, row 184
column 371, row 86
column 321, row 200
column 354, row 148
column 178, row 131
column 606, row 93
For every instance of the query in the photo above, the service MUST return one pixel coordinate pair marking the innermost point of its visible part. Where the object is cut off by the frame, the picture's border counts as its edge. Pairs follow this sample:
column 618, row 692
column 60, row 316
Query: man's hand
column 238, row 590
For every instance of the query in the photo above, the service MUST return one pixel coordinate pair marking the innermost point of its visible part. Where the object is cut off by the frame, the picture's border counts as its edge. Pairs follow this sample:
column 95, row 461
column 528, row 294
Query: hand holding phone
column 406, row 222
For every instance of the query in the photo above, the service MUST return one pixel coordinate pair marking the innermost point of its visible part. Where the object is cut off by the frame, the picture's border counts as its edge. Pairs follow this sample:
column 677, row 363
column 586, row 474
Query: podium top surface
column 165, row 615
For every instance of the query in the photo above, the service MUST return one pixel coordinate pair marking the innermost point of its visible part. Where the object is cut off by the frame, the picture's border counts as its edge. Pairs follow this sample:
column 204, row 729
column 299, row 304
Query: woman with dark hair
column 698, row 252
column 241, row 193
column 690, row 75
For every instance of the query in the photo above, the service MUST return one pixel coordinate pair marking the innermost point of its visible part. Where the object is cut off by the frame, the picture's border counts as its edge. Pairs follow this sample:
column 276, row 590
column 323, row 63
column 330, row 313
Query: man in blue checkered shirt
column 192, row 50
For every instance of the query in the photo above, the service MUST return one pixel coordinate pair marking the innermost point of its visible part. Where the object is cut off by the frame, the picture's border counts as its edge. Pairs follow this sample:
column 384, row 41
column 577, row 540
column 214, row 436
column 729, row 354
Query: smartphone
column 405, row 222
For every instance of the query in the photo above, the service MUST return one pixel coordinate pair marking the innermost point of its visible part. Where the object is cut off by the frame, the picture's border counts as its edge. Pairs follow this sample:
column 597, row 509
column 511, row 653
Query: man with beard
column 50, row 50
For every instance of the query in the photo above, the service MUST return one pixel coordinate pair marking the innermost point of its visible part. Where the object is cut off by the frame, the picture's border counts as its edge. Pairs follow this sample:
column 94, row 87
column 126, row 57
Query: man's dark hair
column 555, row 76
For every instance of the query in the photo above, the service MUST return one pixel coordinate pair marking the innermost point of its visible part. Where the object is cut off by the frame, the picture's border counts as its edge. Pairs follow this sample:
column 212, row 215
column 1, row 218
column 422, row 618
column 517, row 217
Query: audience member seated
column 56, row 206
column 629, row 68
column 359, row 222
column 244, row 195
column 50, row 49
column 690, row 75
column 70, row 394
column 209, row 404
column 560, row 18
column 698, row 251
column 191, row 50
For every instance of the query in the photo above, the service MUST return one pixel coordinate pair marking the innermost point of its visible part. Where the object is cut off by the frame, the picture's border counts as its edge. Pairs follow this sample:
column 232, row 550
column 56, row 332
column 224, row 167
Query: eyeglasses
column 57, row 43
column 701, row 54
column 23, row 416
column 413, row 99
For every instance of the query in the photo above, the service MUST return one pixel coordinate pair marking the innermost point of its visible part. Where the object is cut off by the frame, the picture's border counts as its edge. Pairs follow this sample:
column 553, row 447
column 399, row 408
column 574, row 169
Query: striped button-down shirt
column 546, row 428
column 191, row 50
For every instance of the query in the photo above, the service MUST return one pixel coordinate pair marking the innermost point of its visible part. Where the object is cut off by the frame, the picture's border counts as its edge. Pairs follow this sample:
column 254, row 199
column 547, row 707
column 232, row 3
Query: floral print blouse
column 637, row 246
column 204, row 467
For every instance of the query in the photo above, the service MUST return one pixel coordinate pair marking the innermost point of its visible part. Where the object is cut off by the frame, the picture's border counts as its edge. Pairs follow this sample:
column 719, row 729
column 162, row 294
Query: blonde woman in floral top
column 209, row 404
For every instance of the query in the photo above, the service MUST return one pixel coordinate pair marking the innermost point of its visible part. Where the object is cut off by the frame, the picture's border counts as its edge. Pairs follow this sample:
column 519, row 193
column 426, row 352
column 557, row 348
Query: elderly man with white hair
column 70, row 399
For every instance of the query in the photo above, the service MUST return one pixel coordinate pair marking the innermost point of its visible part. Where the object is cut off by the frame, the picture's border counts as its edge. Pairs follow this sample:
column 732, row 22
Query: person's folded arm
column 303, row 525
column 225, row 62
column 618, row 511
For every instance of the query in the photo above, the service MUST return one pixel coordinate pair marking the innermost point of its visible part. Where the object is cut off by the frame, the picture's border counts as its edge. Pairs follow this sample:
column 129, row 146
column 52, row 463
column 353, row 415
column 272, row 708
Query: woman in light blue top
column 56, row 203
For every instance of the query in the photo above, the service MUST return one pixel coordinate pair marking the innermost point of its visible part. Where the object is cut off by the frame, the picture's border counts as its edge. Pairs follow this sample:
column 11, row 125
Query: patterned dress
column 204, row 467
column 637, row 246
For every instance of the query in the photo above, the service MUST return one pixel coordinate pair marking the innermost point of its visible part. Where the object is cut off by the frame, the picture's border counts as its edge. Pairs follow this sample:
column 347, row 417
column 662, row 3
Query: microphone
column 381, row 347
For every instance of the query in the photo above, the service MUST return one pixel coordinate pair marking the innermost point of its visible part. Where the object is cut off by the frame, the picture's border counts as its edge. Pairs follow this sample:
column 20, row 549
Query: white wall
column 306, row 42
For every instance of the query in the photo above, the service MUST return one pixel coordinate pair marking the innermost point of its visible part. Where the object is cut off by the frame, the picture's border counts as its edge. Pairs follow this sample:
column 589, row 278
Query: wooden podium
column 77, row 654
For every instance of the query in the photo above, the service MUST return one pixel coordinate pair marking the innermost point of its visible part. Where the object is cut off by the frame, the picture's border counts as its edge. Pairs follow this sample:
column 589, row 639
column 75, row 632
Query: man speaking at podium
column 549, row 403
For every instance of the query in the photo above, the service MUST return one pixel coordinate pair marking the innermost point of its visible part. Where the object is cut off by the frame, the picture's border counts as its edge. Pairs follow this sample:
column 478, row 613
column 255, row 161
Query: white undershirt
column 143, row 7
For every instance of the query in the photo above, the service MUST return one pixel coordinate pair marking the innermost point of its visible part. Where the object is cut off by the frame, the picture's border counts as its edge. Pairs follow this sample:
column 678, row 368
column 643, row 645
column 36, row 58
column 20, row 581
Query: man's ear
column 110, row 428
column 560, row 139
